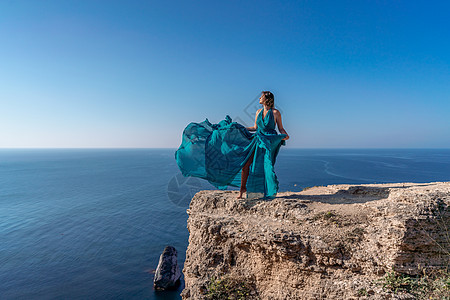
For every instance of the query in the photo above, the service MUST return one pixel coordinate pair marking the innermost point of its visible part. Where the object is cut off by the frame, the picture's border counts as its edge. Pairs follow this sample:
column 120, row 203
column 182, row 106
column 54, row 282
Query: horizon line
column 144, row 148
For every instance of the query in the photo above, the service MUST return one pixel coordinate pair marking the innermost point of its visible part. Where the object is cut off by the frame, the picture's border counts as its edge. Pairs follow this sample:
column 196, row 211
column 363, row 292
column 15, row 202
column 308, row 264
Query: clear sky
column 351, row 74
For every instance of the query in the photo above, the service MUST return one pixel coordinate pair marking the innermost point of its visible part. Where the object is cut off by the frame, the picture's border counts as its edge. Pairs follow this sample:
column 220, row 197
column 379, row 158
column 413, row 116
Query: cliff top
column 345, row 235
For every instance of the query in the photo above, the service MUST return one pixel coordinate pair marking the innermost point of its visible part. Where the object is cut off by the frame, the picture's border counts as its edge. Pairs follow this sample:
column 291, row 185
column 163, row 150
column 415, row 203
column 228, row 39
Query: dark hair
column 270, row 101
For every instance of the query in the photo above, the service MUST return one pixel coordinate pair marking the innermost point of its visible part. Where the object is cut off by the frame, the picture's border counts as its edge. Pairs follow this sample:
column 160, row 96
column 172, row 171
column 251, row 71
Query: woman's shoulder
column 276, row 111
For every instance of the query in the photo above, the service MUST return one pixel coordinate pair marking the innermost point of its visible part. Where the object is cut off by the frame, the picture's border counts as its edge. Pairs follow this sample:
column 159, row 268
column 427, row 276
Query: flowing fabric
column 217, row 153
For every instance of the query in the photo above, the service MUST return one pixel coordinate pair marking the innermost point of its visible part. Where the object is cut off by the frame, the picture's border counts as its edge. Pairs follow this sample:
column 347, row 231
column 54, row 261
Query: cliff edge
column 326, row 242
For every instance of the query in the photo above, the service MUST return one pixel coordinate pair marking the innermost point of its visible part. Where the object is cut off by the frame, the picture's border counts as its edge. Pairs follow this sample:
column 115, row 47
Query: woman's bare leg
column 244, row 176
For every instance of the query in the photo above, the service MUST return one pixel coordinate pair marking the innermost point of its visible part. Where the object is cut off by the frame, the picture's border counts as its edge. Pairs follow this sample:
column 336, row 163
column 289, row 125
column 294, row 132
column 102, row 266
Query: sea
column 92, row 223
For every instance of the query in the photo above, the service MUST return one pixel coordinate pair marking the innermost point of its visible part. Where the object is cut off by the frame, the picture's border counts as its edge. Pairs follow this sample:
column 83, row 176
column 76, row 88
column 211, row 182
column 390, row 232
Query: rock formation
column 168, row 273
column 322, row 243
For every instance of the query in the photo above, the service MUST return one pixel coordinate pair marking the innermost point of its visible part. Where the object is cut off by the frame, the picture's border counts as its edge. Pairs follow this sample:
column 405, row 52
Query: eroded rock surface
column 322, row 243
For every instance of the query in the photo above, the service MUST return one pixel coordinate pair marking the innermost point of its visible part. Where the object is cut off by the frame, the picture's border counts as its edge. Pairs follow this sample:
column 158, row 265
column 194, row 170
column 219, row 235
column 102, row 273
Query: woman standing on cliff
column 219, row 152
column 265, row 120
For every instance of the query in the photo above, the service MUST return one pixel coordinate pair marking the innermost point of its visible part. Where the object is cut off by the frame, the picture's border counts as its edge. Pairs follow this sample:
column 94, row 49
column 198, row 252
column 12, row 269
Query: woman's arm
column 277, row 115
column 254, row 127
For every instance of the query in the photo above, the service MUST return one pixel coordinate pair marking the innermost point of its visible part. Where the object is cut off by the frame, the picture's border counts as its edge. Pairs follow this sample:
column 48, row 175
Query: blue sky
column 345, row 74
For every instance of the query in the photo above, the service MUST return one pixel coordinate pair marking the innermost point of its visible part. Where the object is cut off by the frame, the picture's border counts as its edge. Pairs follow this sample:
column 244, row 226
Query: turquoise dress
column 217, row 153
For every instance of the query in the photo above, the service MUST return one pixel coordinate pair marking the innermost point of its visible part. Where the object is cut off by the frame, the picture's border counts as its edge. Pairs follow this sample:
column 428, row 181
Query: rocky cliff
column 329, row 242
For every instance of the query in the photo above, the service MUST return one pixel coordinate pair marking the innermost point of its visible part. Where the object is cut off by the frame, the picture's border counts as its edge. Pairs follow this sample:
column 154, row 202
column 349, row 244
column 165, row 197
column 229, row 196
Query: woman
column 219, row 152
column 267, row 100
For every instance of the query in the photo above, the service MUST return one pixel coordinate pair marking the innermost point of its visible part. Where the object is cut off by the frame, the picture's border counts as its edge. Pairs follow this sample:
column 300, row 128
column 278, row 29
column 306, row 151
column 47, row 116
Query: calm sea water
column 91, row 224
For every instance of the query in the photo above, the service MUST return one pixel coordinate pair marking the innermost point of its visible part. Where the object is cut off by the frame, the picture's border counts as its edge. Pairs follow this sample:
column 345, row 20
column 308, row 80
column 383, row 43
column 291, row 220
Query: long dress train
column 217, row 153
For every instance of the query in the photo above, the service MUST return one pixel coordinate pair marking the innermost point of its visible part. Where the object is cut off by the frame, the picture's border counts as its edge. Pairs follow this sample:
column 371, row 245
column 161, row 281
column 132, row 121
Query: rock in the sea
column 168, row 273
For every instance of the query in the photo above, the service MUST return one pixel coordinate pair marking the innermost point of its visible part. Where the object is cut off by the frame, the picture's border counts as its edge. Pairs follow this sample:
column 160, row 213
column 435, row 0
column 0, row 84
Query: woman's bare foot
column 242, row 191
column 244, row 176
